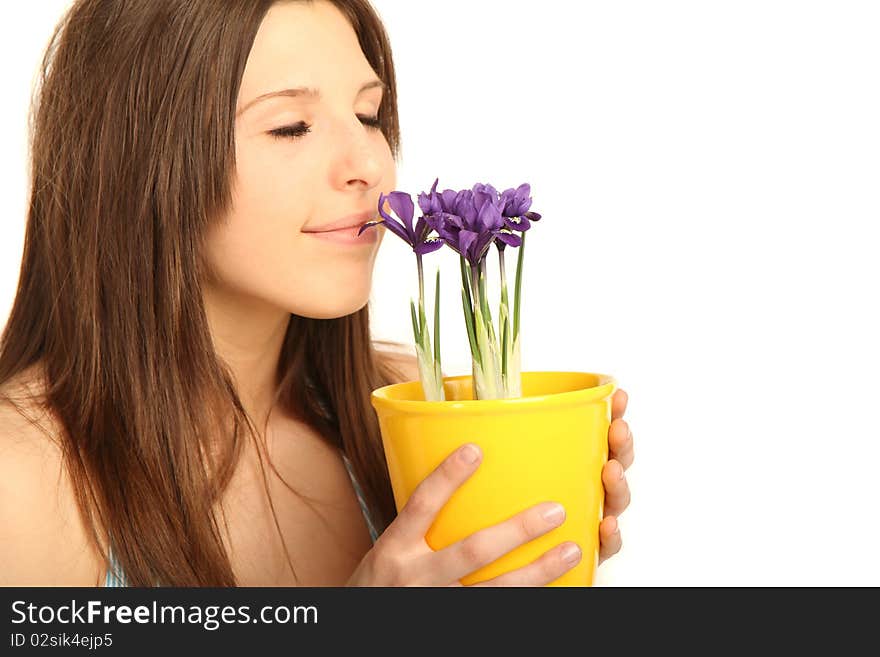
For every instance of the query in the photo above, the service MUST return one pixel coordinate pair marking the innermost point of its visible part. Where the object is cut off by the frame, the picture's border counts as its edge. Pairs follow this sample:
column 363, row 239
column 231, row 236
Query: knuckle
column 473, row 551
column 551, row 567
column 419, row 503
column 387, row 564
column 528, row 525
column 449, row 469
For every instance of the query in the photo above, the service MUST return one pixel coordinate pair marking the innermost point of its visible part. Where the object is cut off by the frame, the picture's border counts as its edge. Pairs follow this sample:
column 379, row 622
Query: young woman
column 186, row 370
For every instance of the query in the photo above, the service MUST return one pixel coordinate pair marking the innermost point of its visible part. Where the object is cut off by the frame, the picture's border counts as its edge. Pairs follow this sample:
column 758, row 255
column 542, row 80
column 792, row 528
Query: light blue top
column 115, row 576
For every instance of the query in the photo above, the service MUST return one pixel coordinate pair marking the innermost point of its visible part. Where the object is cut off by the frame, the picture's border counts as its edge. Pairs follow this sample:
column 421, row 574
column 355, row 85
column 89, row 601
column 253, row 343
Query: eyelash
column 301, row 129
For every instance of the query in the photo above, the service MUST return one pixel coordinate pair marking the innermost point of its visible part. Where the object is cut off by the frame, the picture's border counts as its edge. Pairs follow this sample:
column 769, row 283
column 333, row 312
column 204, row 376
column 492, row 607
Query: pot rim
column 607, row 384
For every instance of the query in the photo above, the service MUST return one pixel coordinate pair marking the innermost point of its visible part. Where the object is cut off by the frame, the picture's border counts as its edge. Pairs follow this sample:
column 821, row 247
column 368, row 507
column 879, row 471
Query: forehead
column 304, row 44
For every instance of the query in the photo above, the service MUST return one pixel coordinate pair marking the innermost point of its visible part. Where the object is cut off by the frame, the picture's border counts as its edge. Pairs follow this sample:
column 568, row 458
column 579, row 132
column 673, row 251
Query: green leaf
column 466, row 287
column 504, row 338
column 519, row 268
column 484, row 306
column 468, row 320
column 416, row 333
column 423, row 321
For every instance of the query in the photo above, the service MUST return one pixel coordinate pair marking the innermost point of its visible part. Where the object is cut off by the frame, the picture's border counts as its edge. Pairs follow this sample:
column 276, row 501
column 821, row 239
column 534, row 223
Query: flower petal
column 421, row 230
column 385, row 215
column 449, row 200
column 486, row 189
column 430, row 245
column 369, row 225
column 466, row 240
column 398, row 230
column 403, row 207
column 508, row 238
column 489, row 217
column 517, row 223
column 481, row 246
column 452, row 221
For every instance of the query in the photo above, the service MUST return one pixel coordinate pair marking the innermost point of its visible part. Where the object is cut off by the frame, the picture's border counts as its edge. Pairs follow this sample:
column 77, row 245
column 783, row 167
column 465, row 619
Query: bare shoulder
column 43, row 539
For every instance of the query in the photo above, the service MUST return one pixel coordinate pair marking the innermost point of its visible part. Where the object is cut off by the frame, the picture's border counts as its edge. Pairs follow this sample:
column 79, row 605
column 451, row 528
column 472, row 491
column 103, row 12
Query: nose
column 359, row 164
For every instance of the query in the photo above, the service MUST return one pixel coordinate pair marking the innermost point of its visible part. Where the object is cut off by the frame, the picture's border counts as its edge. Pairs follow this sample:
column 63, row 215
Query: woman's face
column 286, row 186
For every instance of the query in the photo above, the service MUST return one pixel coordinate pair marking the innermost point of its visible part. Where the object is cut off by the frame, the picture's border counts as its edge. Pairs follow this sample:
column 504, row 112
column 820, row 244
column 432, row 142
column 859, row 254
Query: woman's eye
column 301, row 129
column 297, row 130
column 371, row 121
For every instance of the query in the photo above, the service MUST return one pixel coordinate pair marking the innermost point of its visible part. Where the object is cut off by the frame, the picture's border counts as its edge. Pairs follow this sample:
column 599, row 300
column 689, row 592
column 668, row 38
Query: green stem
column 468, row 307
column 469, row 324
column 485, row 383
column 503, row 318
column 484, row 302
column 422, row 320
column 437, row 321
column 421, row 278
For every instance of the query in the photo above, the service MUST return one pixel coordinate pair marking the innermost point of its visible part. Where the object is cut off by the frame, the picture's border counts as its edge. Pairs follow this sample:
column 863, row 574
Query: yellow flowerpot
column 548, row 445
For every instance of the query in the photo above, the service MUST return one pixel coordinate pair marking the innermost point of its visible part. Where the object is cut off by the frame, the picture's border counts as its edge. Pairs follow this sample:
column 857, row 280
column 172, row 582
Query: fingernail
column 554, row 515
column 469, row 454
column 571, row 554
column 620, row 476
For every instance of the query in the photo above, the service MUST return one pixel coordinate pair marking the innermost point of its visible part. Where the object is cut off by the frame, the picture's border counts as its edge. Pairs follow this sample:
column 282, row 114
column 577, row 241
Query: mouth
column 346, row 235
column 348, row 223
column 336, row 230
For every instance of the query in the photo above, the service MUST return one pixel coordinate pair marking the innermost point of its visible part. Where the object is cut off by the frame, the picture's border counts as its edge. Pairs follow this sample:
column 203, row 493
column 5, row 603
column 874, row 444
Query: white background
column 708, row 175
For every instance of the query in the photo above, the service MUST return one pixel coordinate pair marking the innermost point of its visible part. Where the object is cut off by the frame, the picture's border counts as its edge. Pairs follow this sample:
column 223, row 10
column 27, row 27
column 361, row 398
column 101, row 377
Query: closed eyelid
column 301, row 128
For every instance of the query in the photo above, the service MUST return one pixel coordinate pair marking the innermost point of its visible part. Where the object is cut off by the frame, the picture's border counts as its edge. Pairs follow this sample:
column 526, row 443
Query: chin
column 343, row 307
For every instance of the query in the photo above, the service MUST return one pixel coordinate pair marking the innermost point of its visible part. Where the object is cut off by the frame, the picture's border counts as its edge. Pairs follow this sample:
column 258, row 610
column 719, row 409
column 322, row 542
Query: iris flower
column 469, row 221
column 421, row 242
column 417, row 238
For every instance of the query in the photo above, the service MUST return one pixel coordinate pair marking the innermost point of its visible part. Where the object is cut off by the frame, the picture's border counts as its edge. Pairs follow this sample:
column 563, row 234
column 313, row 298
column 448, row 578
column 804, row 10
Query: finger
column 620, row 443
column 609, row 538
column 487, row 545
column 617, row 495
column 618, row 403
column 550, row 566
column 417, row 515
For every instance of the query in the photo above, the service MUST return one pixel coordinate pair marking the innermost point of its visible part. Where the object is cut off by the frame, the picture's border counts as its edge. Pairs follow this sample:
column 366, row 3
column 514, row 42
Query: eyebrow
column 307, row 92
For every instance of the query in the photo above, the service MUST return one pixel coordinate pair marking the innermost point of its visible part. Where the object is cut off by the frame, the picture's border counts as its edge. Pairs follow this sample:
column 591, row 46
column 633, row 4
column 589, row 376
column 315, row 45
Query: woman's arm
column 42, row 537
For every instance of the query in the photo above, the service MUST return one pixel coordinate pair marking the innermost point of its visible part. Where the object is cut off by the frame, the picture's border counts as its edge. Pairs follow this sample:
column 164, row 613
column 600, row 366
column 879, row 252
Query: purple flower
column 402, row 205
column 471, row 224
column 468, row 221
column 432, row 203
column 515, row 208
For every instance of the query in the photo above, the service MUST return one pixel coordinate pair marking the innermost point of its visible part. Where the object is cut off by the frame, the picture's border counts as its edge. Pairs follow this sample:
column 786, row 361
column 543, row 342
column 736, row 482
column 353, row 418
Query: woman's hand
column 402, row 557
column 617, row 496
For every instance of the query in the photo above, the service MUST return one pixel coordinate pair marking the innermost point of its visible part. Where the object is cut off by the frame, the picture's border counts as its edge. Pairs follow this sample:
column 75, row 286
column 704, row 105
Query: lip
column 347, row 235
column 346, row 223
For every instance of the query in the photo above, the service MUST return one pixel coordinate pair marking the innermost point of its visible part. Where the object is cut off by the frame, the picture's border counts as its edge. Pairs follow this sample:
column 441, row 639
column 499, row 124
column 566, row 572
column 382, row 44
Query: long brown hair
column 132, row 153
